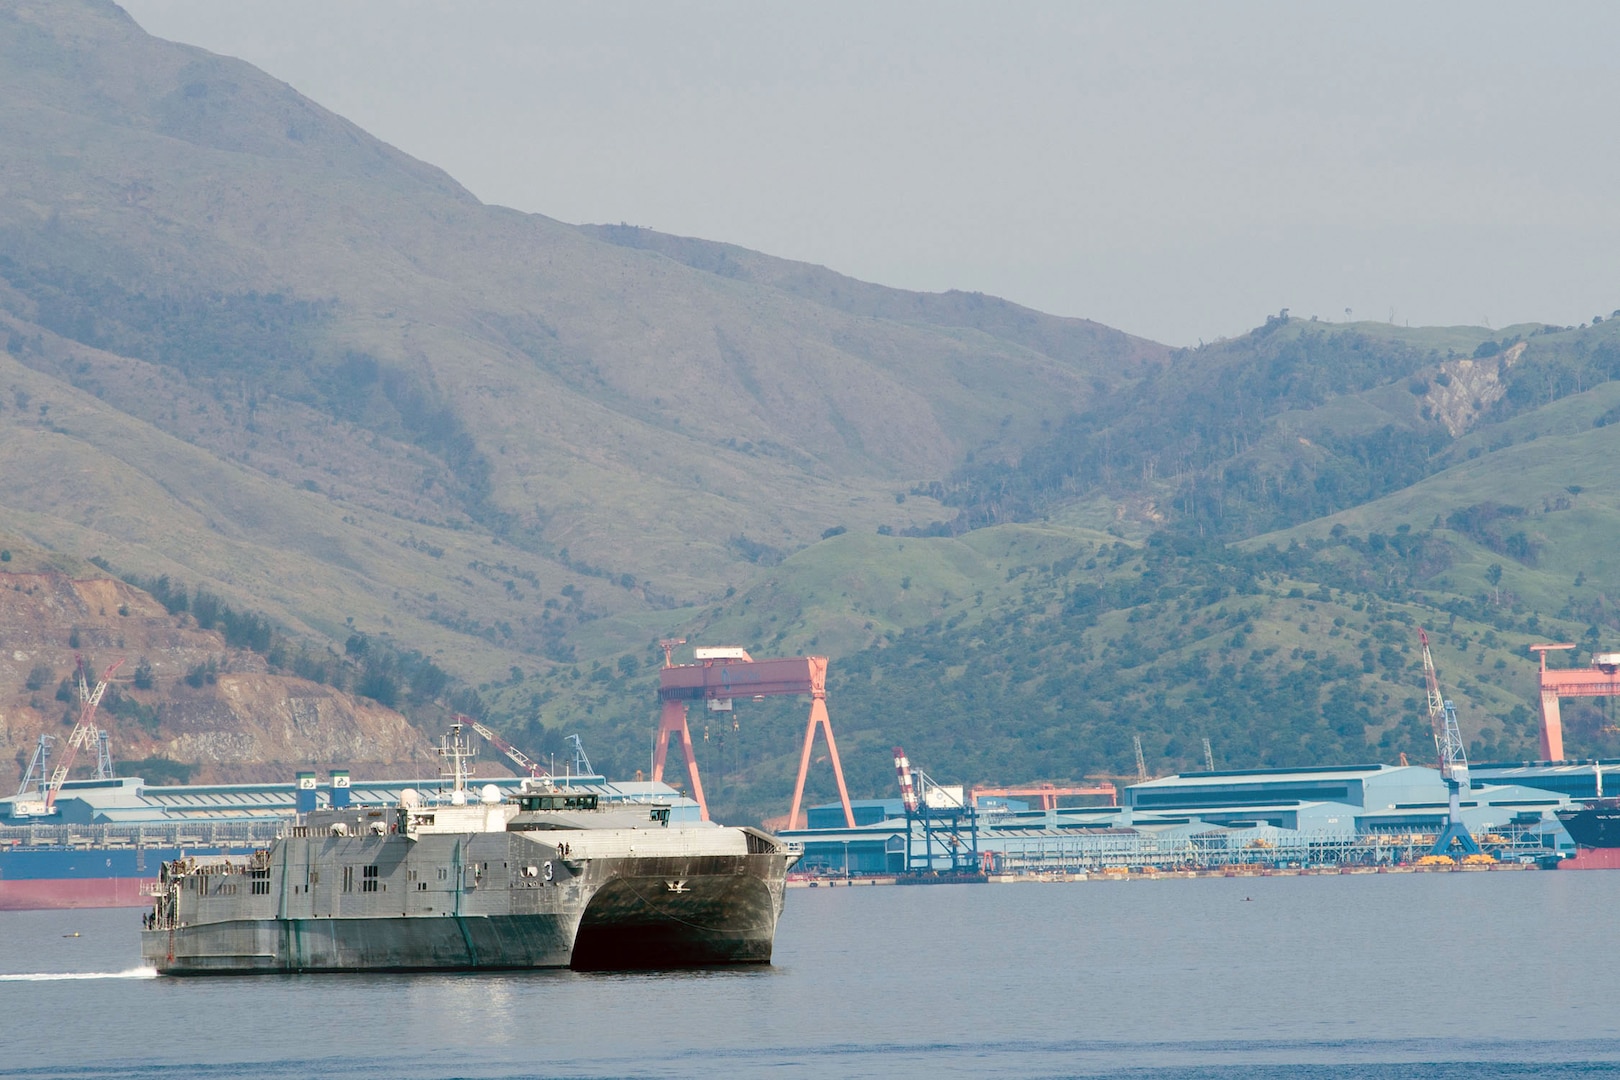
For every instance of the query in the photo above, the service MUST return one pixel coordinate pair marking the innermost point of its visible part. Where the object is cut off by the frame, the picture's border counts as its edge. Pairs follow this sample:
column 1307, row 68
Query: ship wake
column 60, row 976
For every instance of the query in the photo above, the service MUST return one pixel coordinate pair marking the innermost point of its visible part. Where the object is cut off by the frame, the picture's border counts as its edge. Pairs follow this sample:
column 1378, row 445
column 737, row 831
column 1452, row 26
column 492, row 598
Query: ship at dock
column 474, row 879
column 1595, row 828
column 104, row 839
column 1595, row 824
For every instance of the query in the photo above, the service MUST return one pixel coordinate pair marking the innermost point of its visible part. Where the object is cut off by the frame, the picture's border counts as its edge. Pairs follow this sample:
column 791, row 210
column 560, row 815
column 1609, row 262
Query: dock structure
column 1358, row 815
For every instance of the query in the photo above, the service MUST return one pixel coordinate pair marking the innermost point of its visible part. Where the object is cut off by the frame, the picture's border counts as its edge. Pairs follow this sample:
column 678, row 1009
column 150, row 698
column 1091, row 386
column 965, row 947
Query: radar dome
column 410, row 797
column 490, row 795
column 458, row 798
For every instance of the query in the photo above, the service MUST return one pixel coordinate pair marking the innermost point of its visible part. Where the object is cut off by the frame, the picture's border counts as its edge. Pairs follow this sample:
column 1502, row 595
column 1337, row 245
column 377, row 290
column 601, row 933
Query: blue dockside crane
column 949, row 820
column 1453, row 761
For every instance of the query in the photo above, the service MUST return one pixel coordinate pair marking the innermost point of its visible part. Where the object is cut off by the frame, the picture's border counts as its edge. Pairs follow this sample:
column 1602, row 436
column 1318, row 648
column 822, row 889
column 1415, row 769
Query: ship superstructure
column 475, row 879
column 107, row 836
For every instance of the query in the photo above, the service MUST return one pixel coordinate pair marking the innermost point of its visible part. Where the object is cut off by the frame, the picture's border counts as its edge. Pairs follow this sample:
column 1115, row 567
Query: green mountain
column 459, row 456
column 1444, row 479
column 283, row 359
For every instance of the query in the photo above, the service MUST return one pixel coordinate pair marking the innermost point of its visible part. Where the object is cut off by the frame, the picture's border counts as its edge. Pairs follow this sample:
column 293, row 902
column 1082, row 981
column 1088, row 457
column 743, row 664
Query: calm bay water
column 1435, row 975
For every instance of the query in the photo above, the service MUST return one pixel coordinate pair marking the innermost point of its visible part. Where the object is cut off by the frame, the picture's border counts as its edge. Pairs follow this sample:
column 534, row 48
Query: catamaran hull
column 618, row 914
column 452, row 943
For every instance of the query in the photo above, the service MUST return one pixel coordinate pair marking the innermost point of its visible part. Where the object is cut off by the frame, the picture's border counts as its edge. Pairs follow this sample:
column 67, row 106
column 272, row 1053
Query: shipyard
column 104, row 841
column 729, row 540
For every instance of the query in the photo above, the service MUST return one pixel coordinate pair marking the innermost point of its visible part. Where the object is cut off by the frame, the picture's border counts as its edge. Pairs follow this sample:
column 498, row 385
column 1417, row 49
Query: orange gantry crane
column 719, row 675
column 1602, row 679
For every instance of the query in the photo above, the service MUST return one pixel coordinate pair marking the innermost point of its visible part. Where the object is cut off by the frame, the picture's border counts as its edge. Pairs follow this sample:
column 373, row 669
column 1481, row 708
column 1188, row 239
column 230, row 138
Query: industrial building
column 1313, row 816
column 1577, row 779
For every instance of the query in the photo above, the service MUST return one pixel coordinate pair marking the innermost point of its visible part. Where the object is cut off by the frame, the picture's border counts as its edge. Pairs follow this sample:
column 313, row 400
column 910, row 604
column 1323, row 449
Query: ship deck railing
column 176, row 834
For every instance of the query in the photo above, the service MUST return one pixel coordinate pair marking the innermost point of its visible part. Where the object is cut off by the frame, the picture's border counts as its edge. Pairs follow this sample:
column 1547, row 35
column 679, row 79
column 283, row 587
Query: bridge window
column 557, row 802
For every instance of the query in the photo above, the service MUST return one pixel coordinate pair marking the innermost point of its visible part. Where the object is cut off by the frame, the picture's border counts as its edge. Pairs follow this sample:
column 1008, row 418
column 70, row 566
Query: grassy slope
column 91, row 481
column 1063, row 338
column 638, row 412
column 1539, row 457
column 940, row 665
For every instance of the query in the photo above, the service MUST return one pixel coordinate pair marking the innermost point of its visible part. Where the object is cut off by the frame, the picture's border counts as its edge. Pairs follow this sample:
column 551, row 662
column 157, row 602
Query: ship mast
column 455, row 759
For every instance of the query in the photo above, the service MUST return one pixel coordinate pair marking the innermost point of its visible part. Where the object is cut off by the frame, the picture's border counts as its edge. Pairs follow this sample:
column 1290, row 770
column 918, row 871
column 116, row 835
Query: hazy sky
column 1178, row 170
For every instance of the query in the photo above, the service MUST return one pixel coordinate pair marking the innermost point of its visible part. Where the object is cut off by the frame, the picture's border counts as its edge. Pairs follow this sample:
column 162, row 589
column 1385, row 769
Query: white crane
column 518, row 757
column 84, row 732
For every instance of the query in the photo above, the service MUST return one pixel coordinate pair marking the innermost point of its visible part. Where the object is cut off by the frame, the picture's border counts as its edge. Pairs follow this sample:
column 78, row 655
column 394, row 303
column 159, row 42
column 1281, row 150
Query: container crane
column 1453, row 759
column 84, row 732
column 908, row 790
column 948, row 818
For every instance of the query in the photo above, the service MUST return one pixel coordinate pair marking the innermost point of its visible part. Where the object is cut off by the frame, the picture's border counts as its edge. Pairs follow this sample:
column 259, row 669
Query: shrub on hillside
column 38, row 676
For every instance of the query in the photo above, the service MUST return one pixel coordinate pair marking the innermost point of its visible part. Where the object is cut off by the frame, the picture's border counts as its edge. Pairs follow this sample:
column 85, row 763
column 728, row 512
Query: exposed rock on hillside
column 181, row 693
column 1469, row 388
column 246, row 722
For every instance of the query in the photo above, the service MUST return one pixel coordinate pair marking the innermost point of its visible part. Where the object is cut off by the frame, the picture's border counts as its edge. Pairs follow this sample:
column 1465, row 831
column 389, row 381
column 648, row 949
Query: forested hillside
column 1293, row 422
column 1024, row 651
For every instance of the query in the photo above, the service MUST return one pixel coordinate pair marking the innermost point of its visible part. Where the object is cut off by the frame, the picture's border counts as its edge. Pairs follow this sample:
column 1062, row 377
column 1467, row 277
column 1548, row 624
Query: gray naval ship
column 475, row 880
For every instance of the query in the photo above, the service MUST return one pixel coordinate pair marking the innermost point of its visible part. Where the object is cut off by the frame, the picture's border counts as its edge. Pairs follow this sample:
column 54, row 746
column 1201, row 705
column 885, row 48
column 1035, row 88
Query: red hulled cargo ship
column 1595, row 828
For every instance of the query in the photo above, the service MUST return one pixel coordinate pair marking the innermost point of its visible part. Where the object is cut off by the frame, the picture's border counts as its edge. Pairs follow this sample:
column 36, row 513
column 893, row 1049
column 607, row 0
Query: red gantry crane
column 1602, row 679
column 723, row 673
